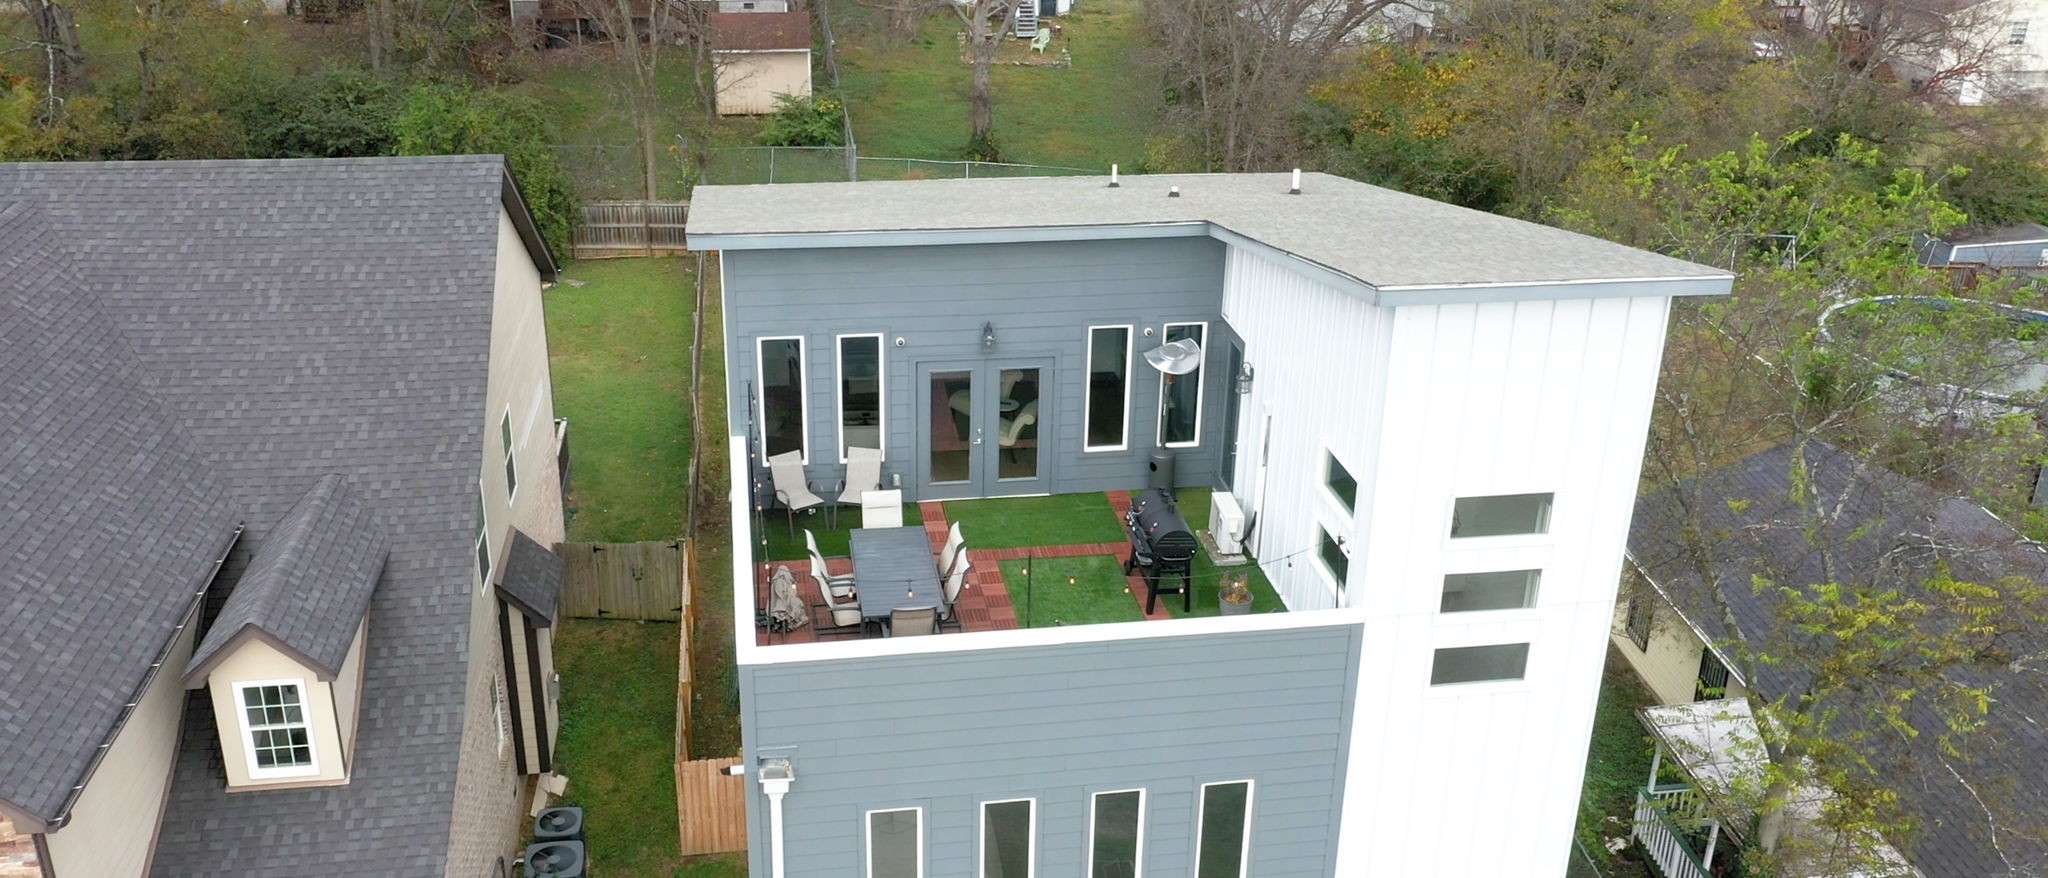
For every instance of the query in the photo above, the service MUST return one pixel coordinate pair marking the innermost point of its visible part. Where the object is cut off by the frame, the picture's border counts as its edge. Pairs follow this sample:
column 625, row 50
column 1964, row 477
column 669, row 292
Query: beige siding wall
column 749, row 81
column 1670, row 667
column 113, row 825
column 255, row 661
column 488, row 807
column 519, row 683
column 18, row 858
column 348, row 687
column 549, row 690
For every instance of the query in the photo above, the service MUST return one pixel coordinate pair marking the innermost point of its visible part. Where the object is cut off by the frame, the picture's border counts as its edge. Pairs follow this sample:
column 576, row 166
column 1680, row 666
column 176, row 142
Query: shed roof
column 1385, row 239
column 760, row 31
column 531, row 578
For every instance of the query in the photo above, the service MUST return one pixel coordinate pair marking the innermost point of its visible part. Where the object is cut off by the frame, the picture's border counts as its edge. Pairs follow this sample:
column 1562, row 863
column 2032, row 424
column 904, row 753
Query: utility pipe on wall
column 775, row 774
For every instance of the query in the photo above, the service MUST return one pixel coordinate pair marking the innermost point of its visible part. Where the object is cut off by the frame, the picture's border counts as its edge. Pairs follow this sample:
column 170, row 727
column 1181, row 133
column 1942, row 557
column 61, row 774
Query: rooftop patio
column 1033, row 562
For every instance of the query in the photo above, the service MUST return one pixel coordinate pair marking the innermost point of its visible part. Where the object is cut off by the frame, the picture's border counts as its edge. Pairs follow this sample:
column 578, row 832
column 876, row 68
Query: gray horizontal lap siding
column 2024, row 254
column 947, row 732
column 1039, row 297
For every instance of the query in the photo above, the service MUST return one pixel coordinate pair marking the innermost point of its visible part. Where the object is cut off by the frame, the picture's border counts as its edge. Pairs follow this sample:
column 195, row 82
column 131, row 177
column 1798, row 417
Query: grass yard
column 1095, row 595
column 619, row 348
column 1056, row 520
column 617, row 740
column 1616, row 765
column 715, row 705
column 909, row 96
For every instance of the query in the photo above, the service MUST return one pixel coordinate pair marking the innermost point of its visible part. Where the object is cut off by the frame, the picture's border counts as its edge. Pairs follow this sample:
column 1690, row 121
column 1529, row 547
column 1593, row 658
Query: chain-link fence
column 615, row 172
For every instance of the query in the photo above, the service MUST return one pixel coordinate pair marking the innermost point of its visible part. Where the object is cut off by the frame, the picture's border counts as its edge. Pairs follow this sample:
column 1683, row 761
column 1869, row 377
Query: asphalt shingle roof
column 307, row 586
column 110, row 523
column 532, row 578
column 300, row 318
column 760, row 31
column 1753, row 527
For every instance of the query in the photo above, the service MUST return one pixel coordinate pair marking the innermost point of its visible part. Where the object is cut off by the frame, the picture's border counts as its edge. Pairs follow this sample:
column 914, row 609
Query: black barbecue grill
column 1162, row 544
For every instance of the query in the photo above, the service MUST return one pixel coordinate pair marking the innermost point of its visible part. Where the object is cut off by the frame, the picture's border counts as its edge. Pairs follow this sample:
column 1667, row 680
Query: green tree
column 334, row 112
column 445, row 119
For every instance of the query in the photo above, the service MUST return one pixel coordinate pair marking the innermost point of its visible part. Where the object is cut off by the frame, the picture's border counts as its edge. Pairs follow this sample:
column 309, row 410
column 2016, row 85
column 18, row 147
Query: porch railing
column 1661, row 837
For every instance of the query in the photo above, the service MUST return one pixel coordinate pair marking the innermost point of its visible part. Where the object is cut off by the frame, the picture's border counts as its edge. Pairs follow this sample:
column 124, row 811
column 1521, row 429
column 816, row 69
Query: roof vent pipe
column 1294, row 185
column 1173, row 191
column 1112, row 177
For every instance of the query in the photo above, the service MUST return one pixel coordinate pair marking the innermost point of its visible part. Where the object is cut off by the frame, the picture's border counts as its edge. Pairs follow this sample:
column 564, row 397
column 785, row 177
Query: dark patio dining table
column 893, row 569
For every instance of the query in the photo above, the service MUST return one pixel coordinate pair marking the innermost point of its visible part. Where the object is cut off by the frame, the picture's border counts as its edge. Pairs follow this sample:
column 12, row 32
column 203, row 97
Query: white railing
column 1660, row 836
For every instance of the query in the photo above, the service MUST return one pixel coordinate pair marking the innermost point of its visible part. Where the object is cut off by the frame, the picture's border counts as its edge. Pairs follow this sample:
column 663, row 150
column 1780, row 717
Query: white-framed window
column 502, row 710
column 1500, row 515
column 1223, row 830
column 1491, row 663
column 784, row 412
column 863, row 400
column 511, row 466
column 483, row 539
column 895, row 841
column 1337, row 480
column 1491, row 590
column 276, row 736
column 1116, row 834
column 1009, row 838
column 1180, row 396
column 2017, row 36
column 1106, row 400
column 1330, row 554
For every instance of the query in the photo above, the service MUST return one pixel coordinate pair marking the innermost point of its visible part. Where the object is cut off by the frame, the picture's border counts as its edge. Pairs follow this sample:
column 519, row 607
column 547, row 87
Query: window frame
column 1532, row 590
column 1030, row 838
column 867, row 830
column 1201, row 389
column 1641, row 639
column 1451, row 520
column 1138, row 853
column 511, row 459
column 1244, row 848
column 2016, row 32
column 485, row 559
column 839, row 390
column 1331, row 460
column 803, row 394
column 1338, row 583
column 1528, row 648
column 1088, row 389
column 312, row 766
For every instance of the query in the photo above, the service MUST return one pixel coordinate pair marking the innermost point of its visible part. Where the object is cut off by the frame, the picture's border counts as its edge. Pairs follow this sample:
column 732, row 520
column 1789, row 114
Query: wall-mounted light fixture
column 988, row 335
column 1244, row 378
column 900, row 342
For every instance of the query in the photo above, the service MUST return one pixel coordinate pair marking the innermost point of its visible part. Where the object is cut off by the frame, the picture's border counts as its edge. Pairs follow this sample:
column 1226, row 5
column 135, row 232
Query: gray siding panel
column 1040, row 298
column 947, row 732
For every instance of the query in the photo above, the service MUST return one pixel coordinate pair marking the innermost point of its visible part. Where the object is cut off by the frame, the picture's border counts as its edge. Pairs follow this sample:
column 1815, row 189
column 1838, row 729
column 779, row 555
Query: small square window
column 1339, row 481
column 1479, row 664
column 1500, row 515
column 1502, row 590
column 2018, row 35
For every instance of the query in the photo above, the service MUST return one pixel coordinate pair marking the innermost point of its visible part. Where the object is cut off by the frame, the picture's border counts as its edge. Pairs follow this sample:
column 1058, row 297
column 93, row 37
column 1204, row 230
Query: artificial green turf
column 619, row 350
column 1056, row 520
column 832, row 541
column 1617, row 764
column 1045, row 598
column 1194, row 508
column 909, row 96
column 617, row 740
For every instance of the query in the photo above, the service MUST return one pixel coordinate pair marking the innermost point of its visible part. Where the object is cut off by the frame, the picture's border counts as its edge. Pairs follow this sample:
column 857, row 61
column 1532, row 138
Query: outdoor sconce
column 1244, row 378
column 988, row 335
column 900, row 342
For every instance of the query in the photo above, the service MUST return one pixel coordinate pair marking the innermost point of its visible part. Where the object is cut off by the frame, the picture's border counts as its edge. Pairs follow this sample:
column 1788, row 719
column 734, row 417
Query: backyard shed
column 759, row 55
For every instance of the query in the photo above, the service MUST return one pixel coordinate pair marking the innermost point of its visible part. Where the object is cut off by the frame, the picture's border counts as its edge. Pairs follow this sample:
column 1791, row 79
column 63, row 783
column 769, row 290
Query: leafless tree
column 982, row 42
column 640, row 34
column 1937, row 48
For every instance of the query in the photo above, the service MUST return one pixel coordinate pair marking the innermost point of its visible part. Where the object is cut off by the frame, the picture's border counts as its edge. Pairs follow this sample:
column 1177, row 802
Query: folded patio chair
column 955, row 582
column 845, row 614
column 863, row 474
column 954, row 542
column 913, row 621
column 840, row 584
column 791, row 490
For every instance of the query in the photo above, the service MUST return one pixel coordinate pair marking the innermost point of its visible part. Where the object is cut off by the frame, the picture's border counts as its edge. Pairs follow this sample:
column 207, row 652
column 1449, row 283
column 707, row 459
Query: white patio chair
column 954, row 542
column 881, row 509
column 955, row 583
column 863, row 474
column 840, row 584
column 913, row 622
column 791, row 490
column 845, row 613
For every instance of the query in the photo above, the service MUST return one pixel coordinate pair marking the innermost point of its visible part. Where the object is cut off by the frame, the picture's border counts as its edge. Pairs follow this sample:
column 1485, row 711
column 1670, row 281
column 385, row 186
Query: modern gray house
column 1431, row 417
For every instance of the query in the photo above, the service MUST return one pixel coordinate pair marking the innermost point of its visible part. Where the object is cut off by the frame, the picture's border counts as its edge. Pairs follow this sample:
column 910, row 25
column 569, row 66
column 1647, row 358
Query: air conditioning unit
column 1226, row 523
column 559, row 824
column 556, row 859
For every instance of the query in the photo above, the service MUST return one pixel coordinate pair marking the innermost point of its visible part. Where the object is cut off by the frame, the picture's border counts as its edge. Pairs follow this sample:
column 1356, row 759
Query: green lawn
column 617, row 740
column 1194, row 508
column 909, row 96
column 1086, row 590
column 619, row 346
column 1616, row 766
column 1057, row 520
column 715, row 707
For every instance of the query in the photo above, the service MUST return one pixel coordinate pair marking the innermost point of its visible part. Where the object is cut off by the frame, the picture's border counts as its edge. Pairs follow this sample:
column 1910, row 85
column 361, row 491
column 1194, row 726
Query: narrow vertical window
column 1223, row 830
column 860, row 393
column 1331, row 553
column 483, row 539
column 1713, row 677
column 1338, row 479
column 1116, row 822
column 780, row 368
column 1180, row 396
column 1640, row 618
column 274, row 718
column 896, row 843
column 1008, row 831
column 505, row 442
column 1108, row 396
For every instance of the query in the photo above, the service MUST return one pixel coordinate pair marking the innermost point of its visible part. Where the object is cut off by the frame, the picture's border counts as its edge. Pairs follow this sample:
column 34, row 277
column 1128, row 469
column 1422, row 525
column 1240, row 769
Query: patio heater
column 1173, row 359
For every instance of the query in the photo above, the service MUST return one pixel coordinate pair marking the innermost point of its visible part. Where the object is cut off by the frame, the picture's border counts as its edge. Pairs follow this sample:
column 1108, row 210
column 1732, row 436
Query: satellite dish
column 1176, row 357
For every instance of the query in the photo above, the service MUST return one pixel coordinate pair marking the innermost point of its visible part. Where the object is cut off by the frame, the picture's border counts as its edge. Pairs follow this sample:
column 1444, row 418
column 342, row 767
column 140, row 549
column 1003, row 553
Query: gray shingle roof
column 1754, row 529
column 532, row 578
column 306, row 587
column 1381, row 237
column 110, row 524
column 301, row 318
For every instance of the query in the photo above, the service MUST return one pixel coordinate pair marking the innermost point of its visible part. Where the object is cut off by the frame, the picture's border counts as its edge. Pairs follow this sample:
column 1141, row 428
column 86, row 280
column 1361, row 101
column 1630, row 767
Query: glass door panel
column 952, row 432
column 1018, row 416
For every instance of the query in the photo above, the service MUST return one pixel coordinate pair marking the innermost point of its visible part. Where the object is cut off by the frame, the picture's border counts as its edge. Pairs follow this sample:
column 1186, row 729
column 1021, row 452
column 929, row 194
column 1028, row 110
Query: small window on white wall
column 1501, row 590
column 1338, row 479
column 1500, row 515
column 1223, row 830
column 275, row 728
column 1479, row 664
column 1330, row 551
column 2017, row 36
column 1008, row 831
column 896, row 843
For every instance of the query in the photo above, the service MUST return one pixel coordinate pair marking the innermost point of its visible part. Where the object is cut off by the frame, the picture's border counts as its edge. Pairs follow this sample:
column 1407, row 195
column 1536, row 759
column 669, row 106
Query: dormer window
column 274, row 724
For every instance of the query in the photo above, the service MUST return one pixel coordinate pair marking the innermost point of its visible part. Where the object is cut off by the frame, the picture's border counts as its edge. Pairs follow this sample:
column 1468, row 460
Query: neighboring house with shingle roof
column 1891, row 529
column 257, row 417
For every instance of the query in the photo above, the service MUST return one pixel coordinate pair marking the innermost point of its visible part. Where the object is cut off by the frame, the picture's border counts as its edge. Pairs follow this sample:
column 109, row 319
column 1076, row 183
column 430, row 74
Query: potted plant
column 1234, row 594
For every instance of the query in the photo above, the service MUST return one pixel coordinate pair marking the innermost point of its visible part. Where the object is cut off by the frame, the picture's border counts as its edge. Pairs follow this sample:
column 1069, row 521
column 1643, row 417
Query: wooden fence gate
column 624, row 580
column 631, row 228
column 712, row 806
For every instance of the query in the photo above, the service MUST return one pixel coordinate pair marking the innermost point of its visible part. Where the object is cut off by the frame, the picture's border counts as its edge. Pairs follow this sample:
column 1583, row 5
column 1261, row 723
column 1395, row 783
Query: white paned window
column 785, row 420
column 860, row 393
column 2017, row 36
column 511, row 468
column 274, row 727
column 1498, row 590
column 483, row 539
column 1107, row 398
column 1500, row 515
column 896, row 843
column 1116, row 832
column 1223, row 833
column 1479, row 664
column 1009, row 833
column 1180, row 396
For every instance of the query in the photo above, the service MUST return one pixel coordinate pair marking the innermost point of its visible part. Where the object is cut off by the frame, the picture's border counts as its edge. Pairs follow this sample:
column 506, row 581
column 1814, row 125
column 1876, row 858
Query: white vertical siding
column 1495, row 398
column 1319, row 356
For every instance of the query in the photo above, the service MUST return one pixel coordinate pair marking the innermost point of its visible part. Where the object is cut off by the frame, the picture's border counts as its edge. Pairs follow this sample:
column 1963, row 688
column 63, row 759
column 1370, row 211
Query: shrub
column 805, row 121
column 443, row 119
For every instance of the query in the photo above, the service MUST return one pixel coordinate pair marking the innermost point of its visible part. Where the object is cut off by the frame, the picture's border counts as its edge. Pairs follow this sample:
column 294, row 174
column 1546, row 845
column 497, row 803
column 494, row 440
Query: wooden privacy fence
column 631, row 228
column 624, row 580
column 712, row 806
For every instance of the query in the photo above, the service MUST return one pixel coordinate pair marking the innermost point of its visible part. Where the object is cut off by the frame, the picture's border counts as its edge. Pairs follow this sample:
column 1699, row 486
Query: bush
column 983, row 148
column 805, row 121
column 443, row 119
column 331, row 114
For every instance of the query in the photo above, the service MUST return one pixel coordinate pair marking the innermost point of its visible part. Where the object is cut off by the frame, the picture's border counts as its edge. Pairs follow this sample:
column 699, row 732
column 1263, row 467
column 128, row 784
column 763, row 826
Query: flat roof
column 1379, row 237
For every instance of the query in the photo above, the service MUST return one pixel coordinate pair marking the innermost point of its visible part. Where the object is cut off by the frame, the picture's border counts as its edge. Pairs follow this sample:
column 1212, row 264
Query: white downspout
column 775, row 775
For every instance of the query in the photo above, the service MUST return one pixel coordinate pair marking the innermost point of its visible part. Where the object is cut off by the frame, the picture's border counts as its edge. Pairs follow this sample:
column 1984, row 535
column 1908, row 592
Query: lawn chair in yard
column 1044, row 38
column 786, row 611
column 913, row 622
column 841, row 585
column 954, row 544
column 845, row 614
column 791, row 490
column 863, row 474
column 955, row 582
